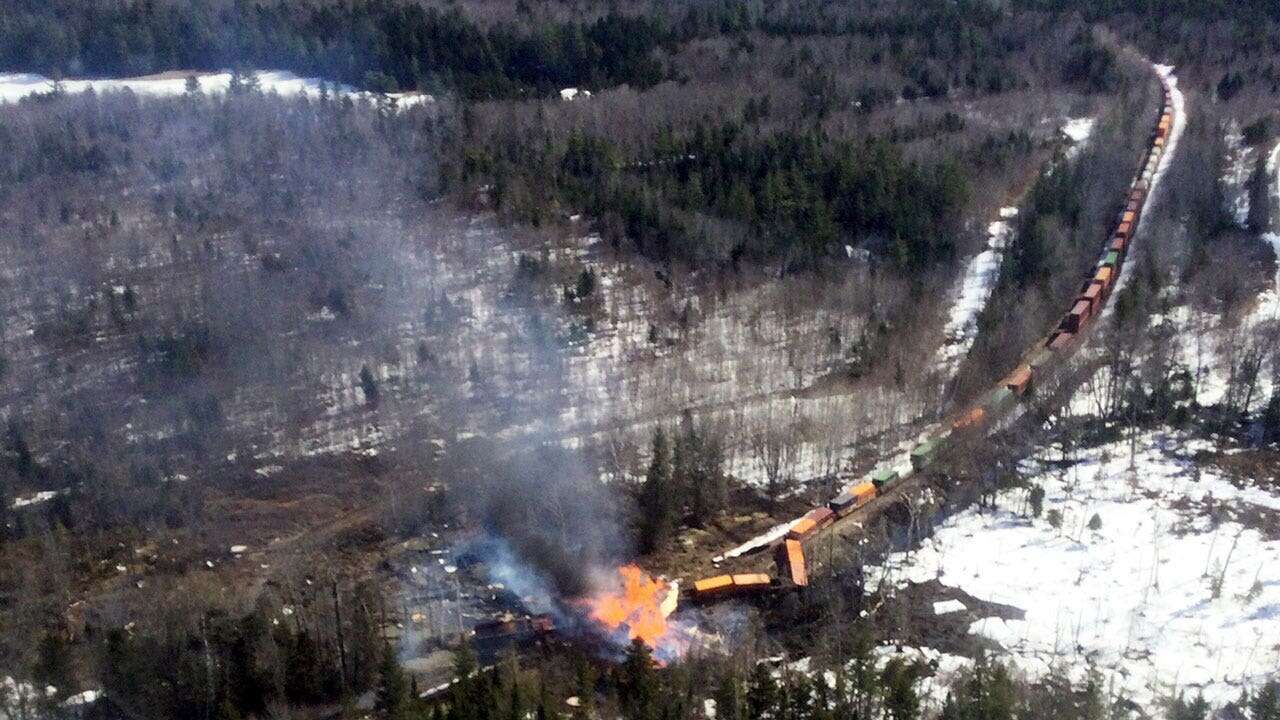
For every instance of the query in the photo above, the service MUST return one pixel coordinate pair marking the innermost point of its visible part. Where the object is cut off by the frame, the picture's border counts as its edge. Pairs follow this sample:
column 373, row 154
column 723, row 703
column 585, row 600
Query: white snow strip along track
column 16, row 86
column 1176, row 589
column 1170, row 148
column 975, row 287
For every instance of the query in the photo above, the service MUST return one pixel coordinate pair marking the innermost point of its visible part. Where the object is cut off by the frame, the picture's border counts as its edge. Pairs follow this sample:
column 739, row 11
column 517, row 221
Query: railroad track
column 846, row 515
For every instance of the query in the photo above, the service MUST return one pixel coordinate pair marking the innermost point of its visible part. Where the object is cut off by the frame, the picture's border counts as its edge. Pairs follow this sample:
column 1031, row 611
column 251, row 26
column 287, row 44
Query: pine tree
column 465, row 697
column 53, row 663
column 369, row 386
column 901, row 702
column 393, row 688
column 1266, row 704
column 637, row 683
column 762, row 693
column 656, row 508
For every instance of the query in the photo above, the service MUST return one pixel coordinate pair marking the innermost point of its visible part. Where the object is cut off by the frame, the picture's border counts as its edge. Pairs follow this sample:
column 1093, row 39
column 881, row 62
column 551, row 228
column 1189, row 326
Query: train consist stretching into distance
column 991, row 407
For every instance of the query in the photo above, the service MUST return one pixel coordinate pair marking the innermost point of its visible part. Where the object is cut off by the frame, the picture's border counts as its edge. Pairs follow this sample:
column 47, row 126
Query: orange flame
column 635, row 601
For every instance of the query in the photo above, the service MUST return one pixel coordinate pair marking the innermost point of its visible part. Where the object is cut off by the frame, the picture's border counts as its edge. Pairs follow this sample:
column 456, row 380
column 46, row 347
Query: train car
column 1000, row 400
column 812, row 522
column 863, row 493
column 1123, row 230
column 1118, row 244
column 1076, row 319
column 789, row 557
column 924, row 454
column 1104, row 275
column 713, row 586
column 884, row 477
column 1094, row 296
column 1039, row 359
column 970, row 421
column 852, row 498
column 721, row 586
column 751, row 581
column 1019, row 381
column 1111, row 259
column 842, row 504
column 1061, row 340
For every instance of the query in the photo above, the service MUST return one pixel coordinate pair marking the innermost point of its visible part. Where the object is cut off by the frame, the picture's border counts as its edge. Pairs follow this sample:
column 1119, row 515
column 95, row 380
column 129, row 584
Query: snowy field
column 1170, row 592
column 16, row 86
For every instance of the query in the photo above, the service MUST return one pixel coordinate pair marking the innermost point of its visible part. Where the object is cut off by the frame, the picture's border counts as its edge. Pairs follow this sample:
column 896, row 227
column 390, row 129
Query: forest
column 298, row 389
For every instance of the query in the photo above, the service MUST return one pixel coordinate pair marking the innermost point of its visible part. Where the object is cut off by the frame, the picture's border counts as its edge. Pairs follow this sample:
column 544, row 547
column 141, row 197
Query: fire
column 637, row 601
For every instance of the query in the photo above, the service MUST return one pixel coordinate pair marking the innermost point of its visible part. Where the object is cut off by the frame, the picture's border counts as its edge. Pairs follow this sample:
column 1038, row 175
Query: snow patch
column 975, row 287
column 1159, row 595
column 947, row 606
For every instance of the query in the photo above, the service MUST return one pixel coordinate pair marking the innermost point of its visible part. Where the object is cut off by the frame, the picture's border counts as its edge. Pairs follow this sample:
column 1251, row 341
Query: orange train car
column 1104, row 275
column 970, row 420
column 790, row 559
column 1124, row 229
column 1019, row 380
column 812, row 522
column 725, row 585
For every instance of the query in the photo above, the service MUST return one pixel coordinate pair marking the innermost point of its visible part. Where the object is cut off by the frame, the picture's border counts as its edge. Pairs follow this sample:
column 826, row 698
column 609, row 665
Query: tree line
column 380, row 45
column 796, row 196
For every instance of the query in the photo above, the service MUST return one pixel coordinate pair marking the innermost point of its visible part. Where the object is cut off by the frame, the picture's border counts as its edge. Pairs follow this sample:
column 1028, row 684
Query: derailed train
column 996, row 403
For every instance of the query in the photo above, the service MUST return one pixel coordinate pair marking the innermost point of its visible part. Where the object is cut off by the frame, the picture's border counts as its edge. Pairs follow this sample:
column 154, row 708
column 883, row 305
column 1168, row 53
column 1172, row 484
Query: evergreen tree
column 53, row 663
column 901, row 702
column 637, row 683
column 656, row 502
column 393, row 688
column 762, row 692
column 369, row 386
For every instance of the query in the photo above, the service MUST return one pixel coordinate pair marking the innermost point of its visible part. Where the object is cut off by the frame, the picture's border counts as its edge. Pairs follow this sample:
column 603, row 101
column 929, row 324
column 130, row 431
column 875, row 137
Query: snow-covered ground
column 974, row 289
column 1078, row 130
column 1170, row 591
column 1240, row 160
column 16, row 86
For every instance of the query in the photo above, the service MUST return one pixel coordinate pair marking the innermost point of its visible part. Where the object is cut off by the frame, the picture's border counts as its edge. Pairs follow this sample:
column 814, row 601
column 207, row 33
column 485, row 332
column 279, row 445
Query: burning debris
column 637, row 606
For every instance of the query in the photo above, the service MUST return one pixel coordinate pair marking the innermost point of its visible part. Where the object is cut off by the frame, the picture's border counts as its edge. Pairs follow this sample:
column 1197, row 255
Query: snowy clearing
column 1169, row 592
column 16, row 86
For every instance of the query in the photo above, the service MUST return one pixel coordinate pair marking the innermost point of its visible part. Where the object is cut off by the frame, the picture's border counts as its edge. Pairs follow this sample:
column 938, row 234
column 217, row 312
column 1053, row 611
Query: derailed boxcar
column 721, row 586
column 790, row 559
column 812, row 522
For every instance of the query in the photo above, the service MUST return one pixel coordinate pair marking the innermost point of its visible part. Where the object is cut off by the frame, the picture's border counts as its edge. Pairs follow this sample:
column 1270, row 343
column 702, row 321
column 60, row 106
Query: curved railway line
column 846, row 513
